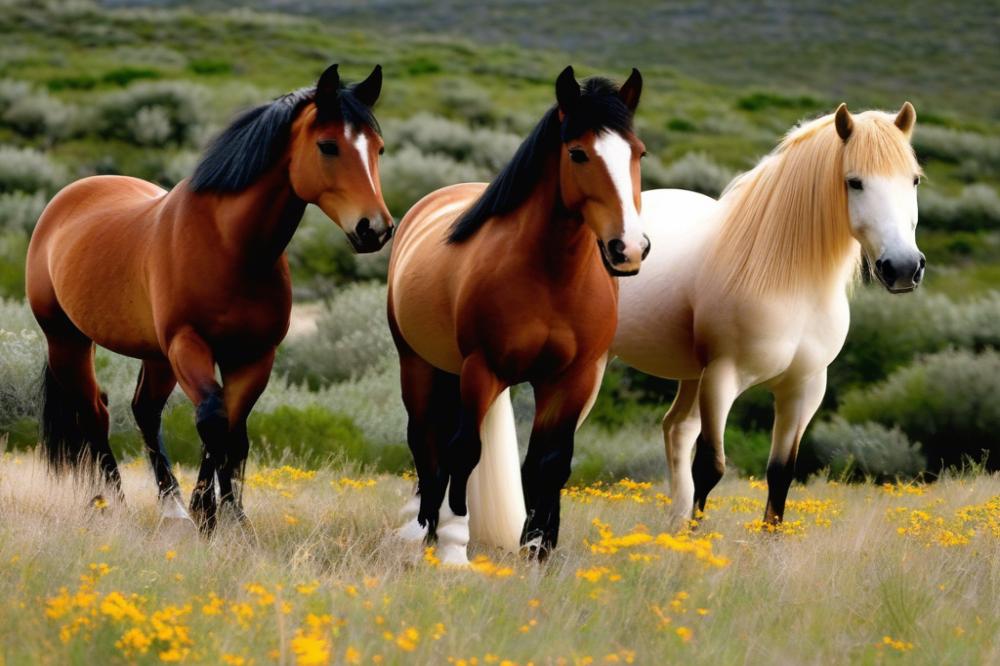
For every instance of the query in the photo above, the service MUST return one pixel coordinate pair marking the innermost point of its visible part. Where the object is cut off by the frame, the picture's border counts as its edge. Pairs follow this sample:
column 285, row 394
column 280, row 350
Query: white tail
column 495, row 498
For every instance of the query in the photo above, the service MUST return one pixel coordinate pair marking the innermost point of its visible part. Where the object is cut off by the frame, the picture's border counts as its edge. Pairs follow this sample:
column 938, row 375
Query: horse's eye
column 328, row 147
column 381, row 151
column 643, row 154
column 855, row 184
column 916, row 181
column 578, row 155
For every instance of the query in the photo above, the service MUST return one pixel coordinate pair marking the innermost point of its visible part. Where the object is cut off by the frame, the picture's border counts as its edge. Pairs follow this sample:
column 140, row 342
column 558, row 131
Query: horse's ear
column 631, row 90
column 368, row 90
column 906, row 118
column 567, row 90
column 842, row 120
column 328, row 87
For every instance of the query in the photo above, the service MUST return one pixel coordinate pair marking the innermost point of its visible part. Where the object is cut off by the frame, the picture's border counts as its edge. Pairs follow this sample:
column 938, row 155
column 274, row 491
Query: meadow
column 862, row 574
column 889, row 552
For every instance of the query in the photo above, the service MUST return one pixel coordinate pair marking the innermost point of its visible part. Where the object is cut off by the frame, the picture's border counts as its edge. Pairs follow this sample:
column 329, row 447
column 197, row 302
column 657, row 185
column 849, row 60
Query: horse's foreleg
column 681, row 426
column 719, row 388
column 242, row 386
column 559, row 404
column 794, row 407
column 193, row 365
column 156, row 383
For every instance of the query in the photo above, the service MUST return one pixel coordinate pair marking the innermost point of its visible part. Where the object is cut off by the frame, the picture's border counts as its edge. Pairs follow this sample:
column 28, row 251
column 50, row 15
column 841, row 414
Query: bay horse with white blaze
column 753, row 288
column 195, row 278
column 490, row 286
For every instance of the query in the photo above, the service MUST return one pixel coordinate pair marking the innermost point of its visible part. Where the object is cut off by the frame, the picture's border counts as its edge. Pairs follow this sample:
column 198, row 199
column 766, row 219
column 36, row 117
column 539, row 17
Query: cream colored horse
column 752, row 289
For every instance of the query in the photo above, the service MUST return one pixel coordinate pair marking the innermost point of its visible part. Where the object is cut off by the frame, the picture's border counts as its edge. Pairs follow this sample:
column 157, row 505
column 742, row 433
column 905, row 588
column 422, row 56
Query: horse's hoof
column 453, row 555
column 412, row 532
column 173, row 515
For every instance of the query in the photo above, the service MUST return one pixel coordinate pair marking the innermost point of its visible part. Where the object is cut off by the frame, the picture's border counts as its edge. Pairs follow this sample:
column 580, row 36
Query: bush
column 39, row 114
column 889, row 331
column 694, row 171
column 351, row 339
column 976, row 208
column 432, row 134
column 955, row 146
column 13, row 249
column 467, row 100
column 748, row 450
column 20, row 211
column 181, row 104
column 28, row 170
column 409, row 174
column 947, row 401
column 861, row 451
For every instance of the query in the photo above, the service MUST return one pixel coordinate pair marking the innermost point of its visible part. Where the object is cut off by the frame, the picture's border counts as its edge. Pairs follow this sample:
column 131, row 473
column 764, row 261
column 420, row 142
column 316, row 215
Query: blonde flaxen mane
column 785, row 225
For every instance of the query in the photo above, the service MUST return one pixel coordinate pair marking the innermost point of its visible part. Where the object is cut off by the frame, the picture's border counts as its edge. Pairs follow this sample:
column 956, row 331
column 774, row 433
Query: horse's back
column 425, row 275
column 656, row 307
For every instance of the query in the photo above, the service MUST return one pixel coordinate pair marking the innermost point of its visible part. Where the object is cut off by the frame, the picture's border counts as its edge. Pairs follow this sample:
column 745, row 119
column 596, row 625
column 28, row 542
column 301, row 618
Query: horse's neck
column 259, row 222
column 559, row 239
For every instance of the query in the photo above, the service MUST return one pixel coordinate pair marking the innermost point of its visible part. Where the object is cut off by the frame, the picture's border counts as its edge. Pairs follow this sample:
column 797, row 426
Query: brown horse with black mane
column 490, row 286
column 195, row 278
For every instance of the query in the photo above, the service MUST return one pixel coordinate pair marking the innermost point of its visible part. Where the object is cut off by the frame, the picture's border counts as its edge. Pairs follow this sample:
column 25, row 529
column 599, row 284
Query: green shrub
column 182, row 104
column 748, row 450
column 482, row 147
column 123, row 76
column 861, row 451
column 468, row 101
column 947, row 401
column 351, row 339
column 13, row 249
column 976, row 208
column 210, row 66
column 20, row 211
column 28, row 170
column 766, row 100
column 39, row 115
column 409, row 174
column 955, row 146
column 694, row 171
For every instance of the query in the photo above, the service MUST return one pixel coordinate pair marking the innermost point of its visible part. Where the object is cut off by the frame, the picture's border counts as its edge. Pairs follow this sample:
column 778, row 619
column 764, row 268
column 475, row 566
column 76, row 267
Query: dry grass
column 864, row 574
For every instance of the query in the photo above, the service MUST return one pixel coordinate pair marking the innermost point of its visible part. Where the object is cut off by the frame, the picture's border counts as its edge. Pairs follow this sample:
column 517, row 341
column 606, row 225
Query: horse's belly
column 423, row 283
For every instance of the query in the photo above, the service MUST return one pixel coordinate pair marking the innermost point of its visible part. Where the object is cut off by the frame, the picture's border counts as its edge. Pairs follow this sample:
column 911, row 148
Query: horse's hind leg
column 717, row 392
column 681, row 426
column 432, row 400
column 71, row 364
column 156, row 383
column 794, row 407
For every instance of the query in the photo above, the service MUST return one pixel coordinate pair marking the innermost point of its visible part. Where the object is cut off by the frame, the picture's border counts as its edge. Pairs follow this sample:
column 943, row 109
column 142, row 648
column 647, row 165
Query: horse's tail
column 495, row 498
column 63, row 441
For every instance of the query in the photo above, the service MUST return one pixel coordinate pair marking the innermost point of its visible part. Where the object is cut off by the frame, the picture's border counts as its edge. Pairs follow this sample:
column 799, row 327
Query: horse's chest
column 546, row 332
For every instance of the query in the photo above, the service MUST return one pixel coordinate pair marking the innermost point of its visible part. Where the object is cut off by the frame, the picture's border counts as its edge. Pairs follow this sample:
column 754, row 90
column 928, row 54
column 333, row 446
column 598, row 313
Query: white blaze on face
column 359, row 140
column 617, row 155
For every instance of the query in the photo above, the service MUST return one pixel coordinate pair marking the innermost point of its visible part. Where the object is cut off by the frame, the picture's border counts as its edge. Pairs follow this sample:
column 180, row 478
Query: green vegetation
column 89, row 90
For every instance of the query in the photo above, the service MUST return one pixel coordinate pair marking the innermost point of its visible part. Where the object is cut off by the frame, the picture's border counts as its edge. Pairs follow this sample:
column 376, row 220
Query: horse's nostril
column 616, row 250
column 923, row 262
column 363, row 226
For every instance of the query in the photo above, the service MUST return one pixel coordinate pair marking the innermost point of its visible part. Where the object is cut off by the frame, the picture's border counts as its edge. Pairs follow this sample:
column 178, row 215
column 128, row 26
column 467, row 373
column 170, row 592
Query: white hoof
column 172, row 511
column 453, row 537
column 411, row 529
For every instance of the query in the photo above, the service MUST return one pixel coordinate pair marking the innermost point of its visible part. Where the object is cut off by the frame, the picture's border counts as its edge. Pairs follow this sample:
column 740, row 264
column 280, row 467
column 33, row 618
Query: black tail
column 66, row 449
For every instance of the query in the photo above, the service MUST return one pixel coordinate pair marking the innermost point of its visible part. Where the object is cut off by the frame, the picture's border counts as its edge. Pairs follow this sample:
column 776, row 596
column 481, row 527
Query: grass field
column 859, row 574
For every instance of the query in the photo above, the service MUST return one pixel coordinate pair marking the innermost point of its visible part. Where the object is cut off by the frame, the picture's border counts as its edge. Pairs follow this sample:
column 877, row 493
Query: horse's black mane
column 251, row 144
column 599, row 108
